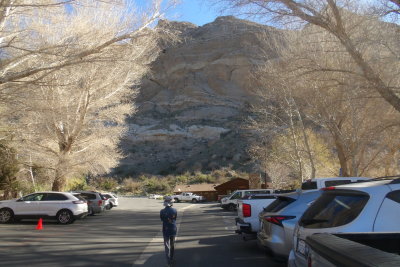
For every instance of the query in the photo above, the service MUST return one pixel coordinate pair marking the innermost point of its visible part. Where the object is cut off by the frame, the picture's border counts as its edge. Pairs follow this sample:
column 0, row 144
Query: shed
column 232, row 185
column 206, row 190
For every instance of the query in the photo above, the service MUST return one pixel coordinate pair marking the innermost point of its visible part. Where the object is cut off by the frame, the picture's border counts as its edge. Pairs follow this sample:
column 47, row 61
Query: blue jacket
column 168, row 217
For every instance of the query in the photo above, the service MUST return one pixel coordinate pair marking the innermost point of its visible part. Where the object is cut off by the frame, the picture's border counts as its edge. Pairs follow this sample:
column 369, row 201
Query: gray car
column 278, row 220
column 362, row 207
column 96, row 203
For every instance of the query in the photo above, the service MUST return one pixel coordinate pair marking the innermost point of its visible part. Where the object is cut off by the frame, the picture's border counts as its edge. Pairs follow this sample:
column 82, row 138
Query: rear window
column 279, row 204
column 334, row 208
column 309, row 185
column 88, row 196
column 336, row 182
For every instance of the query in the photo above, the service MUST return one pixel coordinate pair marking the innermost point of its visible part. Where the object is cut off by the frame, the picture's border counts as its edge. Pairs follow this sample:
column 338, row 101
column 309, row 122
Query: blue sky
column 198, row 12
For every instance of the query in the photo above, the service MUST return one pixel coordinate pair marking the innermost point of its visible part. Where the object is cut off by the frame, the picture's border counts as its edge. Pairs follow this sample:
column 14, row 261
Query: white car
column 112, row 200
column 64, row 207
column 372, row 206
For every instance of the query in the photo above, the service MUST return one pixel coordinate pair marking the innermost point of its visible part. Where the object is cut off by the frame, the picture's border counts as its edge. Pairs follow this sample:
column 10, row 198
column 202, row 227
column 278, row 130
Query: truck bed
column 355, row 249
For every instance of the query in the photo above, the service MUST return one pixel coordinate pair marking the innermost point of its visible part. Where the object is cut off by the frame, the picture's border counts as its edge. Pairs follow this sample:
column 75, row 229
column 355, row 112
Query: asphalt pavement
column 130, row 235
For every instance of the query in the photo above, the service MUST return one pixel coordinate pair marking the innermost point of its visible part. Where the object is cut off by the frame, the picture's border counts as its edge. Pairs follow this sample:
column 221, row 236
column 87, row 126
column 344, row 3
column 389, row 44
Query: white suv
column 64, row 207
column 360, row 207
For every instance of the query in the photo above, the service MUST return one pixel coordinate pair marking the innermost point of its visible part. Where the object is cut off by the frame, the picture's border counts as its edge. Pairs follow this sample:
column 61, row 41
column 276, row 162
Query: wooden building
column 232, row 185
column 206, row 190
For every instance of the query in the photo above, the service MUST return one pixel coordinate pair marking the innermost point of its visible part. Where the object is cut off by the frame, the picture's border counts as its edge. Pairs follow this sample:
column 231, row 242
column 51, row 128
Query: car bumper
column 275, row 244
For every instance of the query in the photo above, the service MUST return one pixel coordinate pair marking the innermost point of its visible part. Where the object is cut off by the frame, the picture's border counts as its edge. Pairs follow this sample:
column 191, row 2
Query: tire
column 176, row 200
column 194, row 200
column 231, row 207
column 6, row 215
column 111, row 206
column 65, row 217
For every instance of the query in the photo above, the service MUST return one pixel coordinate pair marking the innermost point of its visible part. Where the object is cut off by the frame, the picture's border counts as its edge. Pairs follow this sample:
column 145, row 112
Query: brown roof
column 194, row 187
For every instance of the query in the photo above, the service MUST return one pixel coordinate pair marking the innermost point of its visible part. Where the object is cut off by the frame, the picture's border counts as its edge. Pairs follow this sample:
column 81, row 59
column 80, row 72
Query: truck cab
column 230, row 202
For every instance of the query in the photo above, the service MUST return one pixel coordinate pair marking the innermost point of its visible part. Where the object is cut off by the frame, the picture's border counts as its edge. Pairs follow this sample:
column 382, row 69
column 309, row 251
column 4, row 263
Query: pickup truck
column 247, row 222
column 230, row 202
column 187, row 196
column 366, row 249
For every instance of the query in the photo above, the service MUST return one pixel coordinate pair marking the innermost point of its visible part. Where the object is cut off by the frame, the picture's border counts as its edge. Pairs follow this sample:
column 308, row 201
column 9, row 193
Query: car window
column 79, row 196
column 336, row 182
column 88, row 196
column 279, row 204
column 53, row 197
column 334, row 209
column 34, row 197
column 394, row 195
column 235, row 196
column 309, row 185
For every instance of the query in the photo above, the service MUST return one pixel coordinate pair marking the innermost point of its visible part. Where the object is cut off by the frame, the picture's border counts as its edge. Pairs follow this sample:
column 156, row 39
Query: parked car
column 96, row 202
column 360, row 207
column 230, row 202
column 64, row 207
column 112, row 200
column 278, row 220
column 319, row 183
column 155, row 196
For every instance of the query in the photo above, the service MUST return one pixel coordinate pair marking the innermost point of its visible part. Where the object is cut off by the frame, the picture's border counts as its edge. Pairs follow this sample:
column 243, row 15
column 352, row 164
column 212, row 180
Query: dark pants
column 169, row 244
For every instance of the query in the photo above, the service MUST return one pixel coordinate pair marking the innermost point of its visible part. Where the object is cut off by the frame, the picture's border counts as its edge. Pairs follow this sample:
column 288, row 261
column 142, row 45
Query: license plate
column 301, row 247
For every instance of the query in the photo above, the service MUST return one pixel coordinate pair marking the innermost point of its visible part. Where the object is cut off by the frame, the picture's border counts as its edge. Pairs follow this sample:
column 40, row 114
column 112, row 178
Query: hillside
column 192, row 109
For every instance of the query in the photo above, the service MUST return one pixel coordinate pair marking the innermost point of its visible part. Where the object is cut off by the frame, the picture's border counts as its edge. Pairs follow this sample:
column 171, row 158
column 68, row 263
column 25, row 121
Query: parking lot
column 130, row 236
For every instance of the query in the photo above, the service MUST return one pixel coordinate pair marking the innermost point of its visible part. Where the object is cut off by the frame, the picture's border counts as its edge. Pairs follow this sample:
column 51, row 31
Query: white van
column 230, row 202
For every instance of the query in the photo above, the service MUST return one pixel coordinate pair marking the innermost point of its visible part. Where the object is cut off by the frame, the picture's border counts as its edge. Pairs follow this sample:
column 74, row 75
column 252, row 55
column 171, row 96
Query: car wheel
column 194, row 200
column 231, row 207
column 176, row 200
column 65, row 217
column 6, row 215
column 110, row 206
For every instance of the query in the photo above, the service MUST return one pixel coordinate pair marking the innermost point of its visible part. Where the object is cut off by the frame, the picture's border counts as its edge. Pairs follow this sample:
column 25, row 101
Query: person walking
column 168, row 216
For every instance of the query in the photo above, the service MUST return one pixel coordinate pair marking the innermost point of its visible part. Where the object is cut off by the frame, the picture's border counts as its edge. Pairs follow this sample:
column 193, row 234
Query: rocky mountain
column 193, row 107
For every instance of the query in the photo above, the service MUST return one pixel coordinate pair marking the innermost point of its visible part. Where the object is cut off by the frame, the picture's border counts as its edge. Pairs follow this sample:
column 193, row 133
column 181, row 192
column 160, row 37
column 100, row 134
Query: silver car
column 96, row 202
column 362, row 207
column 278, row 220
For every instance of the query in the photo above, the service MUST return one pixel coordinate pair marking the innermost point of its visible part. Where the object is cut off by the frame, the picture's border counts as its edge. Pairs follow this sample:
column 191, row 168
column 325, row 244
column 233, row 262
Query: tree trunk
column 60, row 179
column 342, row 156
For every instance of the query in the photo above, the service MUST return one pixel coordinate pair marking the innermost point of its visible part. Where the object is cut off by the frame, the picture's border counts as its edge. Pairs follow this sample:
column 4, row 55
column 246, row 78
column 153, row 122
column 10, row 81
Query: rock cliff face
column 192, row 108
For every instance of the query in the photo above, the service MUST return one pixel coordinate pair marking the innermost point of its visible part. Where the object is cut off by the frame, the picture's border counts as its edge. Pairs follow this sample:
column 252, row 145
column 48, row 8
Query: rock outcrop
column 192, row 108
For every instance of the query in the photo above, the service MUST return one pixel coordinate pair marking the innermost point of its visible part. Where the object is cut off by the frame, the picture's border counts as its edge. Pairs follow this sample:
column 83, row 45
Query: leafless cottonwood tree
column 339, row 19
column 72, row 77
column 340, row 102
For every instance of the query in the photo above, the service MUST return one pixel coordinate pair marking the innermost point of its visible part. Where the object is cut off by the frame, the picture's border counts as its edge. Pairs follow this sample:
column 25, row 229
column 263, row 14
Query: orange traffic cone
column 40, row 224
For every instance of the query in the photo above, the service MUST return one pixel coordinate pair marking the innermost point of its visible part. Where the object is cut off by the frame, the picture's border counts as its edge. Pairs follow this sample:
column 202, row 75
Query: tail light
column 100, row 202
column 278, row 219
column 246, row 209
column 79, row 202
column 328, row 188
column 309, row 261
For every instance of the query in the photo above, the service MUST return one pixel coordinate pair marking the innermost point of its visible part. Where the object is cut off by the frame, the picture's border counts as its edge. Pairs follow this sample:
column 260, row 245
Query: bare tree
column 77, row 84
column 341, row 19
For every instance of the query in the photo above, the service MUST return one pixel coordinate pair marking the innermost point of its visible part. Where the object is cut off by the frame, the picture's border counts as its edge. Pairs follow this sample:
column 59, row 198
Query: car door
column 51, row 203
column 29, row 205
